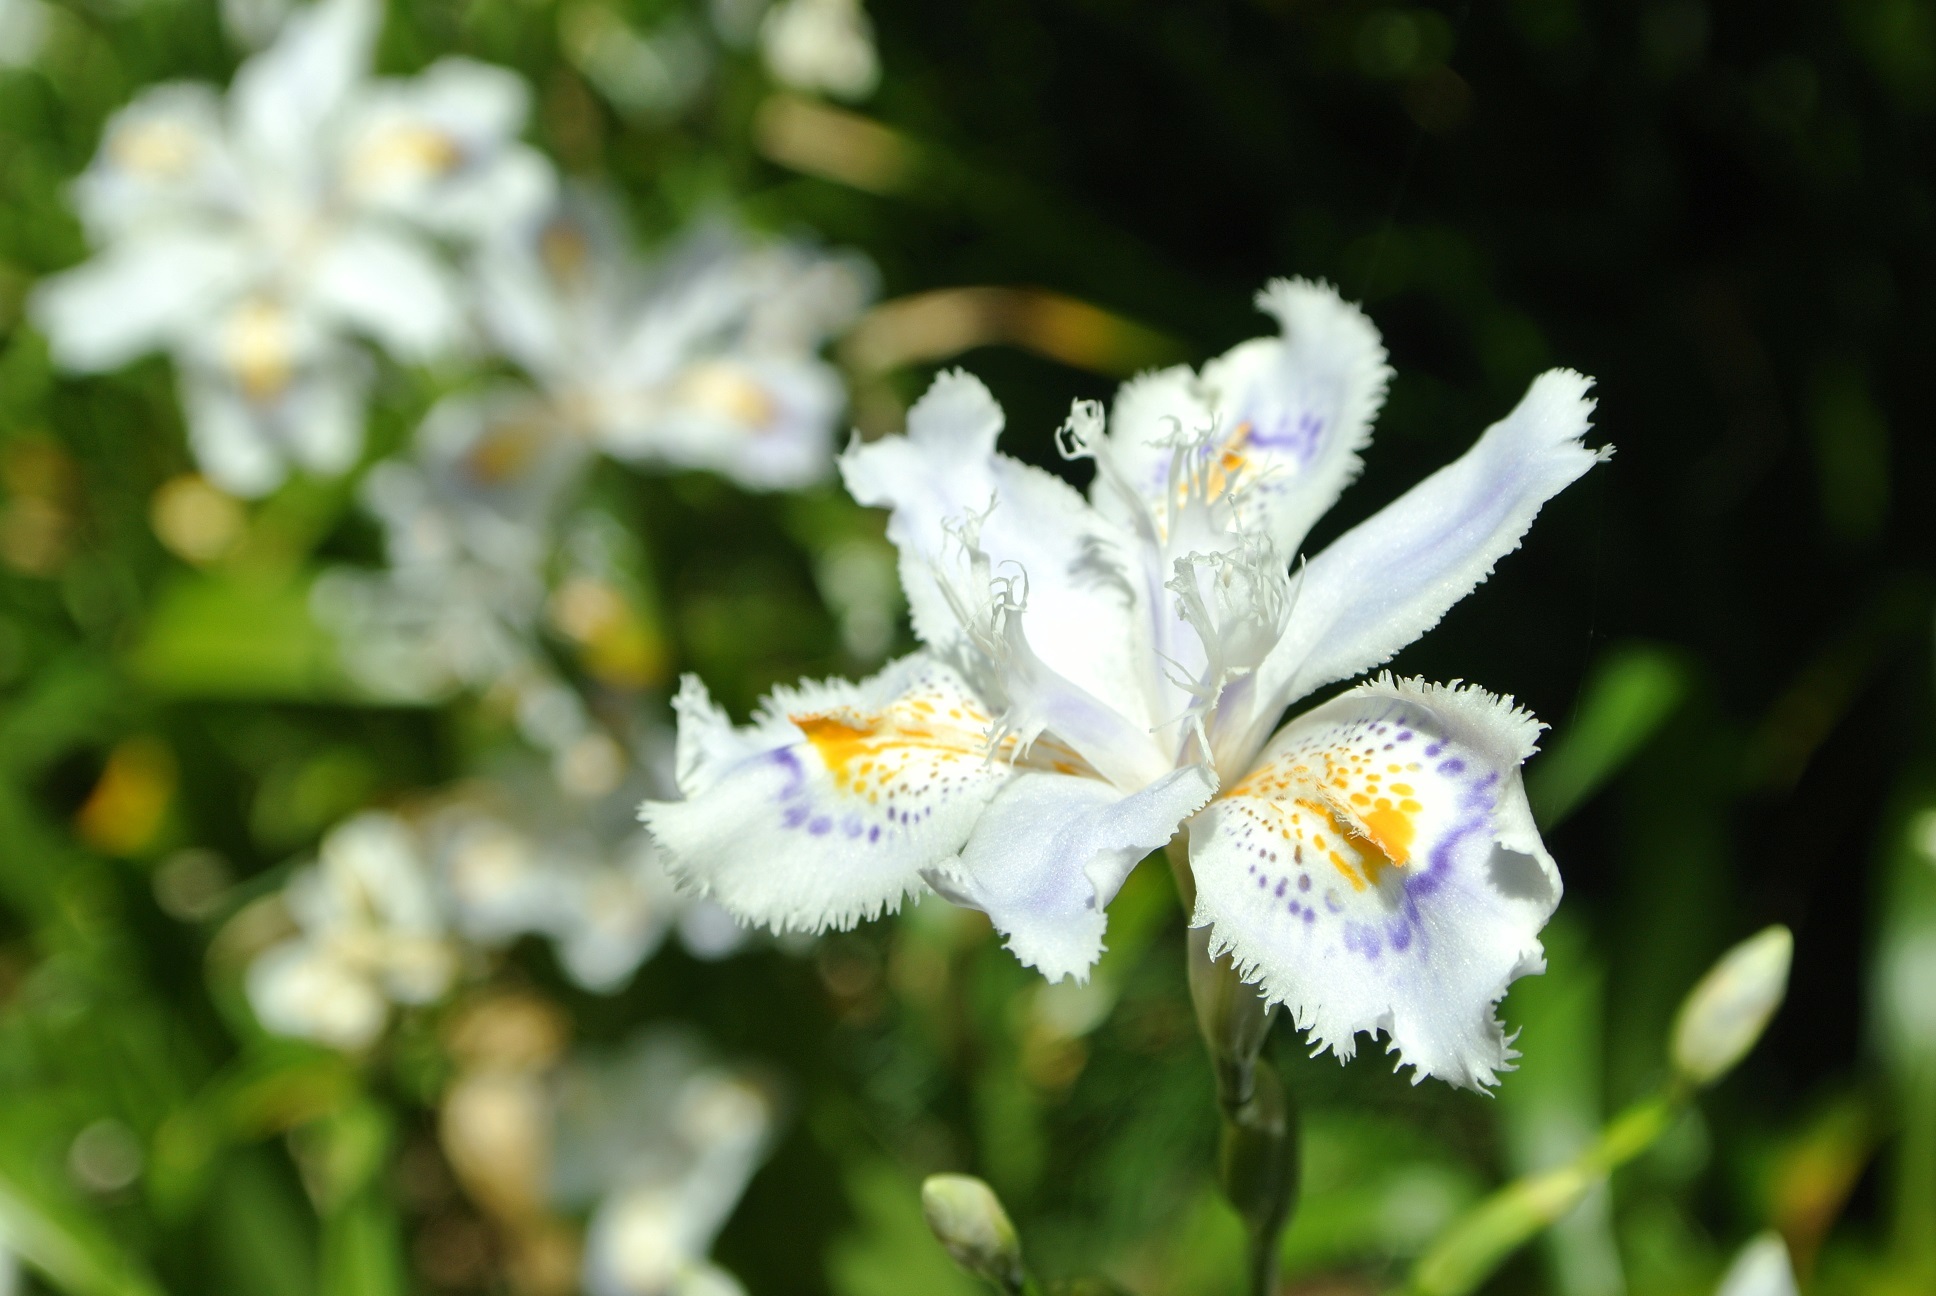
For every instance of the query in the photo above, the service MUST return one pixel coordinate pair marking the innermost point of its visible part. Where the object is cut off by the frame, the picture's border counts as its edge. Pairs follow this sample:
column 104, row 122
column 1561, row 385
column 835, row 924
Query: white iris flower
column 252, row 235
column 1101, row 673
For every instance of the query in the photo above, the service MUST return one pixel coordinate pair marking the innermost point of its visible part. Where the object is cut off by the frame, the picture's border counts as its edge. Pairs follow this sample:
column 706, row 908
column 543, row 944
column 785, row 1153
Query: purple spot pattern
column 1459, row 824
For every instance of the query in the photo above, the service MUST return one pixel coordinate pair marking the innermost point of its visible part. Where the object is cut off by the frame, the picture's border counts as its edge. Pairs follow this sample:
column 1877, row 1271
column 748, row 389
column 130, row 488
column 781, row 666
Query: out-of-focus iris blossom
column 253, row 235
column 707, row 358
column 515, row 858
column 468, row 523
column 370, row 934
column 386, row 914
column 1100, row 673
column 710, row 361
column 659, row 1143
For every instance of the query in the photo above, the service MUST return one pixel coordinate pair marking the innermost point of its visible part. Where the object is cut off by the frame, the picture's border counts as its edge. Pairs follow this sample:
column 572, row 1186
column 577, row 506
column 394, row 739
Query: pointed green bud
column 1725, row 1014
column 968, row 1220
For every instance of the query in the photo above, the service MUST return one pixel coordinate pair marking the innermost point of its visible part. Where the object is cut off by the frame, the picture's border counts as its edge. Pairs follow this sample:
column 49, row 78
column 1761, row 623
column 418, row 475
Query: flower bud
column 1762, row 1269
column 1726, row 1012
column 969, row 1221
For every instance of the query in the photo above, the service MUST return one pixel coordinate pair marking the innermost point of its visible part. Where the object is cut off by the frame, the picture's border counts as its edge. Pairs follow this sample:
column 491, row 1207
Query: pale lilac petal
column 1389, row 580
column 1051, row 852
column 1084, row 617
column 1379, row 871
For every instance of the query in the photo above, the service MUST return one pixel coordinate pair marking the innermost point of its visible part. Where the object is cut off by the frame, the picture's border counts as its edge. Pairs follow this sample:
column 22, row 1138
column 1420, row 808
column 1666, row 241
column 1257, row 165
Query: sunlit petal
column 826, row 810
column 1389, row 579
column 1379, row 871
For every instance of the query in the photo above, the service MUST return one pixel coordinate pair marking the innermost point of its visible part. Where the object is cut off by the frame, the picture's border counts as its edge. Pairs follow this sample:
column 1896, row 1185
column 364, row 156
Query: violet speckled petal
column 1378, row 870
column 827, row 808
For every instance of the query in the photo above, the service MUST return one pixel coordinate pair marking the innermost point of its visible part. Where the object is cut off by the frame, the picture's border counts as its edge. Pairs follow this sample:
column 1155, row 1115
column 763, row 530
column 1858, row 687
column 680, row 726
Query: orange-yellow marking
column 1344, row 798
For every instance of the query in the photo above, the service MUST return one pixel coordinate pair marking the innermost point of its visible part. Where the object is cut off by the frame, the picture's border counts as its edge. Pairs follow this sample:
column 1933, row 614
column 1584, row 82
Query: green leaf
column 1631, row 692
column 74, row 1253
column 231, row 637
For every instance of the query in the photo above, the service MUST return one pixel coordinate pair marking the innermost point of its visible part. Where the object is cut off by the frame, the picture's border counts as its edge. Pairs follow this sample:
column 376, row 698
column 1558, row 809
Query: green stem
column 1258, row 1148
column 1481, row 1240
column 1259, row 1169
column 1915, row 1187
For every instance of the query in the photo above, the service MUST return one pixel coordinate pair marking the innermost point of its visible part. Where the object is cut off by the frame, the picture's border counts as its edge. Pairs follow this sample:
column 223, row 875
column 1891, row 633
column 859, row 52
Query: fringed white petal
column 1379, row 871
column 826, row 810
column 1271, row 429
column 1391, row 578
column 1295, row 410
column 1051, row 852
column 1085, row 612
column 1134, row 458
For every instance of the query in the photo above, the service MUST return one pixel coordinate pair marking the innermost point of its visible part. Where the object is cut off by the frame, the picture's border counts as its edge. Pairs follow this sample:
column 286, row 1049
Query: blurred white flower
column 709, row 359
column 370, row 935
column 1761, row 1269
column 860, row 585
column 660, row 1142
column 515, row 860
column 23, row 30
column 250, row 236
column 467, row 524
column 821, row 47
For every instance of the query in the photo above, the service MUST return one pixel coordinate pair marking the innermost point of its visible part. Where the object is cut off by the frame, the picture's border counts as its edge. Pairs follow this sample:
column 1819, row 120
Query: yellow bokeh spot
column 125, row 811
